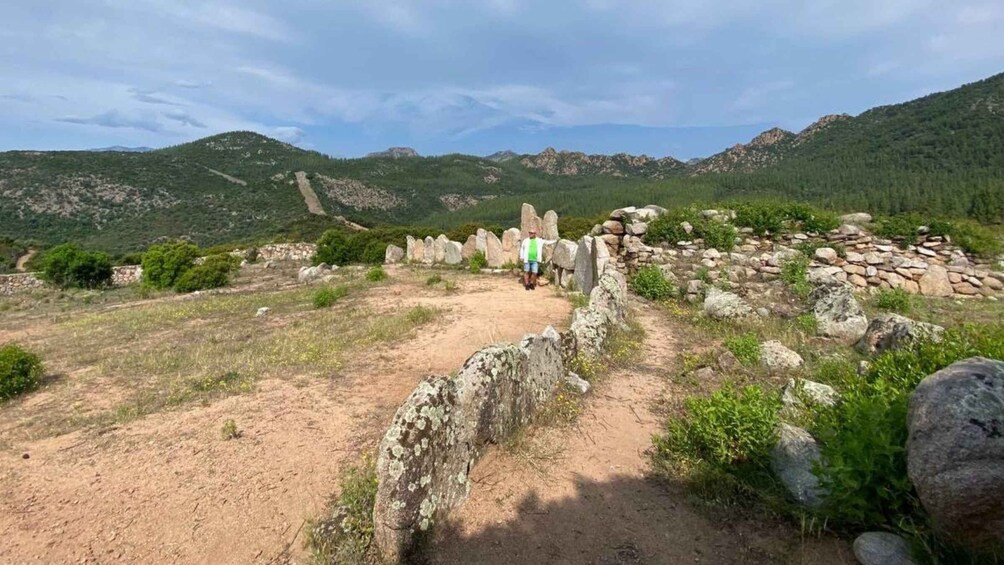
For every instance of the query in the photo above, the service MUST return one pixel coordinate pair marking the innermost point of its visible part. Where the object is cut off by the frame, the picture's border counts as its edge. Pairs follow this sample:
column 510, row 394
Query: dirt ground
column 165, row 488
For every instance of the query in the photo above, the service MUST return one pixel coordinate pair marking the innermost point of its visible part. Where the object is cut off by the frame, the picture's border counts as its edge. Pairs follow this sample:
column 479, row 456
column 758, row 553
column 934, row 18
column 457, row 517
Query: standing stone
column 792, row 459
column 470, row 247
column 454, row 253
column 955, row 450
column 429, row 255
column 510, row 245
column 528, row 219
column 440, row 247
column 481, row 241
column 549, row 229
column 418, row 251
column 394, row 254
column 564, row 254
column 585, row 267
column 935, row 281
column 494, row 251
column 410, row 249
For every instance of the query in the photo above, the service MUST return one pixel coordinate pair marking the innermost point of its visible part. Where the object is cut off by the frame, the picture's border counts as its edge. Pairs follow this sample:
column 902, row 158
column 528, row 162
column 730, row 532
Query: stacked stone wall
column 24, row 282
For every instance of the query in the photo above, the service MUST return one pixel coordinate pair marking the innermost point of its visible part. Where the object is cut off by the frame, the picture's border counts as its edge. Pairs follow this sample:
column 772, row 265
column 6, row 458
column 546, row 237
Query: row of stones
column 24, row 282
column 281, row 252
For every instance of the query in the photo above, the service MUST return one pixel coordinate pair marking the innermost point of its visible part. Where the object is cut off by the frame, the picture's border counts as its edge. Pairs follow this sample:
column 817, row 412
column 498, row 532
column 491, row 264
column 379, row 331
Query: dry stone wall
column 24, row 282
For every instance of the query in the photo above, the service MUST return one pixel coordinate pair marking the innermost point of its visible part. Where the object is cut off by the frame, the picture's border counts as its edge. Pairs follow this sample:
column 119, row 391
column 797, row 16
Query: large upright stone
column 394, row 254
column 481, row 240
column 510, row 245
column 470, row 247
column 549, row 228
column 454, row 253
column 493, row 251
column 955, row 450
column 935, row 281
column 417, row 251
column 528, row 219
column 585, row 267
column 564, row 254
column 409, row 246
column 440, row 247
column 429, row 255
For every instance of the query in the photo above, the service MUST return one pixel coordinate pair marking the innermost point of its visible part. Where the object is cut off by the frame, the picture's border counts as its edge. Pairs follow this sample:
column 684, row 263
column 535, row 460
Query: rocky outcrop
column 792, row 459
column 892, row 331
column 722, row 305
column 394, row 153
column 571, row 163
column 882, row 548
column 955, row 450
column 838, row 315
column 394, row 254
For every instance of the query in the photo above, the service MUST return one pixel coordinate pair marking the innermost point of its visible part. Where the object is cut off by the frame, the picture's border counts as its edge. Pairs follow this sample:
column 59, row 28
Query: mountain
column 570, row 163
column 122, row 149
column 501, row 156
column 395, row 153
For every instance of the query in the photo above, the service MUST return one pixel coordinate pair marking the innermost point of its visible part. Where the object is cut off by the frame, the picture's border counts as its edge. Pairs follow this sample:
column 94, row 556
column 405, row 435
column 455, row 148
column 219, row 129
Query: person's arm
column 524, row 247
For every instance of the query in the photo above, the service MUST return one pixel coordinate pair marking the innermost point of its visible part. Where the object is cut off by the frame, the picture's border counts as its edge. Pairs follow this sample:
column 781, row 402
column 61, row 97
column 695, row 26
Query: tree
column 69, row 266
column 164, row 264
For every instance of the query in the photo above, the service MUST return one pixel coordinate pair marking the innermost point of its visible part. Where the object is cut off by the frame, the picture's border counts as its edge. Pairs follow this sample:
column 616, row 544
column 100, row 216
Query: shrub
column 229, row 430
column 894, row 300
column 164, row 264
column 214, row 272
column 703, row 274
column 762, row 217
column 376, row 274
column 863, row 437
column 69, row 266
column 327, row 296
column 724, row 440
column 807, row 323
column 345, row 534
column 433, row 280
column 420, row 315
column 968, row 235
column 332, row 248
column 794, row 272
column 450, row 286
column 650, row 283
column 667, row 228
column 251, row 255
column 478, row 261
column 813, row 219
column 20, row 371
column 717, row 235
column 745, row 347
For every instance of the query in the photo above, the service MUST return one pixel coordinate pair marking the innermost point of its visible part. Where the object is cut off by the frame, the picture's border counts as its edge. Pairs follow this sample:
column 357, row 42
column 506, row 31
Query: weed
column 807, row 323
column 650, row 283
column 745, row 347
column 345, row 532
column 577, row 299
column 478, row 261
column 327, row 296
column 450, row 286
column 229, row 430
column 894, row 300
column 703, row 274
column 794, row 273
column 433, row 280
column 420, row 315
column 376, row 274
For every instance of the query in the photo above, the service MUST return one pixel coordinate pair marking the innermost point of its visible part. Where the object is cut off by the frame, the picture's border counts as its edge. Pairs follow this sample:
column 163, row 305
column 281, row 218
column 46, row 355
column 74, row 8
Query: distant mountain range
column 121, row 149
column 943, row 152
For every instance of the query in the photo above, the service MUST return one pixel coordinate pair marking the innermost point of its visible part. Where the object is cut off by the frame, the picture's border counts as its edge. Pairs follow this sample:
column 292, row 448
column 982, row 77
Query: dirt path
column 23, row 260
column 166, row 489
column 309, row 196
column 232, row 179
column 591, row 500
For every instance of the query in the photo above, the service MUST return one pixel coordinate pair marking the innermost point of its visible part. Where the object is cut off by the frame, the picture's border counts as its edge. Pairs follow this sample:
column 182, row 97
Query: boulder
column 418, row 251
column 578, row 383
column 549, row 225
column 394, row 254
column 564, row 254
column 454, row 253
column 440, row 248
column 493, row 251
column 510, row 245
column 774, row 356
column 826, row 255
column 470, row 247
column 613, row 227
column 409, row 246
column 609, row 297
column 792, row 459
column 722, row 305
column 955, row 450
column 262, row 312
column 636, row 228
column 589, row 326
column 528, row 219
column 838, row 315
column 892, row 331
column 799, row 392
column 935, row 282
column 856, row 219
column 429, row 255
column 311, row 274
column 882, row 548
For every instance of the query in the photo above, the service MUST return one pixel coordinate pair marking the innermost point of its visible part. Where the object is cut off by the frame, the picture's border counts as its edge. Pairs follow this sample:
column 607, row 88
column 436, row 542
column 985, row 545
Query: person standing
column 531, row 253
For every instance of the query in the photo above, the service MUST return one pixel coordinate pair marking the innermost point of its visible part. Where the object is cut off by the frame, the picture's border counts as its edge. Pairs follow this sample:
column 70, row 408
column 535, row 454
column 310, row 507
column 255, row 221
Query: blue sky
column 685, row 78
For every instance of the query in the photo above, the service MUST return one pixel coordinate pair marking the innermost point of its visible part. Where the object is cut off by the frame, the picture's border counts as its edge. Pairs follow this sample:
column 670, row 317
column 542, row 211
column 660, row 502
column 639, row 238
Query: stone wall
column 447, row 423
column 286, row 252
column 23, row 282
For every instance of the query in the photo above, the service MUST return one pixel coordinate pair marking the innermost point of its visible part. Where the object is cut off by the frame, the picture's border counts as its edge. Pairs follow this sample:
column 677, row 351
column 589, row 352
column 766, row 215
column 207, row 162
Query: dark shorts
column 530, row 267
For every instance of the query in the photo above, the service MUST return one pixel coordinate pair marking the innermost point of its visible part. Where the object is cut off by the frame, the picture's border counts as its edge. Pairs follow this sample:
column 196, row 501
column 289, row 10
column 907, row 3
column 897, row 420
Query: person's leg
column 534, row 273
column 526, row 276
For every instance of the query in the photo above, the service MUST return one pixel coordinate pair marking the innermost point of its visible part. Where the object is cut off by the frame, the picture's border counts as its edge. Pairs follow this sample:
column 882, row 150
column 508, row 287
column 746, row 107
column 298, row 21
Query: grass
column 745, row 347
column 326, row 297
column 433, row 280
column 894, row 300
column 345, row 532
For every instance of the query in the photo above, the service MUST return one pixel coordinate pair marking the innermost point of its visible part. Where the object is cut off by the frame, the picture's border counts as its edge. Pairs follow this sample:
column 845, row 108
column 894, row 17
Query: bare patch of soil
column 309, row 196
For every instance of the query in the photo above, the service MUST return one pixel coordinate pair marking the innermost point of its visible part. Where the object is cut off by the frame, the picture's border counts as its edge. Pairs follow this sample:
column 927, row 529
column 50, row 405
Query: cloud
column 183, row 83
column 289, row 134
column 116, row 119
column 760, row 94
column 183, row 118
column 150, row 97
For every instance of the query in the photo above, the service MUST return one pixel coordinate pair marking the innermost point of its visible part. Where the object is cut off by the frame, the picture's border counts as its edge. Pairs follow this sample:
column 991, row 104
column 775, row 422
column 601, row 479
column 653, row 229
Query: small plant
column 230, row 430
column 450, row 286
column 478, row 261
column 345, row 533
column 894, row 300
column 794, row 273
column 650, row 283
column 745, row 347
column 420, row 315
column 20, row 371
column 69, row 266
column 578, row 299
column 807, row 323
column 433, row 280
column 376, row 274
column 325, row 297
column 703, row 274
column 251, row 255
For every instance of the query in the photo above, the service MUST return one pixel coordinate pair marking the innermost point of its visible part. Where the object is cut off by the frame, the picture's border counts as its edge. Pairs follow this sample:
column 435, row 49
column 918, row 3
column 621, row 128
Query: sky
column 685, row 78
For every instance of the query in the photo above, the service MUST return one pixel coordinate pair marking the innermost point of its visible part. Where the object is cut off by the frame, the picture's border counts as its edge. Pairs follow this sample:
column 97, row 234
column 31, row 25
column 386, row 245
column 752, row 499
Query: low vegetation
column 20, row 371
column 376, row 274
column 345, row 533
column 69, row 266
column 967, row 234
column 229, row 430
column 650, row 283
column 794, row 272
column 671, row 228
column 327, row 296
column 894, row 300
column 746, row 348
column 478, row 261
column 214, row 272
column 164, row 264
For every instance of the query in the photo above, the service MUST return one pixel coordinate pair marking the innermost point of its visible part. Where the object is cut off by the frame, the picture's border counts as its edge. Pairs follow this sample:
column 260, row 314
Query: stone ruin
column 448, row 423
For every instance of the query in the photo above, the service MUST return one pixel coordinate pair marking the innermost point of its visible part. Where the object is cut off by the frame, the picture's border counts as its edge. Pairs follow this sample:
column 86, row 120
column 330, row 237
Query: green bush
column 327, row 296
column 968, row 235
column 650, row 283
column 894, row 300
column 251, row 255
column 164, row 264
column 20, row 371
column 717, row 235
column 345, row 534
column 667, row 229
column 724, row 440
column 69, row 266
column 794, row 273
column 433, row 280
column 764, row 218
column 813, row 219
column 746, row 348
column 478, row 261
column 214, row 272
column 376, row 274
column 807, row 322
column 863, row 438
column 574, row 227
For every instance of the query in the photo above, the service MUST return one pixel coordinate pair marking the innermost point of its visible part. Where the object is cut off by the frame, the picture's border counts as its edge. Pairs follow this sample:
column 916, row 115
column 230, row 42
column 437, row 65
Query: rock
column 481, row 240
column 838, row 315
column 882, row 548
column 955, row 450
column 590, row 329
column 493, row 251
column 776, row 357
column 470, row 247
column 262, row 312
column 270, row 265
column 429, row 248
column 855, row 257
column 687, row 227
column 704, row 374
column 311, row 274
column 826, row 255
column 762, row 312
column 792, row 459
column 564, row 254
column 827, row 276
column 935, row 281
column 695, row 286
column 613, row 227
column 622, row 213
column 528, row 219
column 591, row 258
column 510, row 246
column 873, row 258
column 728, row 362
column 549, row 227
column 417, row 250
column 801, row 391
column 658, row 210
column 892, row 331
column 636, row 228
column 394, row 254
column 856, row 219
column 409, row 245
column 609, row 297
column 722, row 305
column 454, row 253
column 578, row 383
column 440, row 248
column 849, row 230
